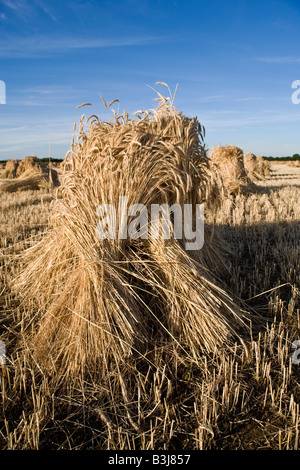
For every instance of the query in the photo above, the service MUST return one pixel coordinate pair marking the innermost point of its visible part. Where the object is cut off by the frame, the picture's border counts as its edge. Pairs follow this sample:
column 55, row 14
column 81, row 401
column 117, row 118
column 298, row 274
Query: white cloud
column 37, row 46
column 10, row 4
column 26, row 9
column 212, row 122
column 280, row 60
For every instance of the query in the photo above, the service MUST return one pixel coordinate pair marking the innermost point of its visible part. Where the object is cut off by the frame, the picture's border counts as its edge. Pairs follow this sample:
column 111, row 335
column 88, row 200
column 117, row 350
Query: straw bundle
column 30, row 183
column 30, row 165
column 10, row 170
column 252, row 167
column 28, row 174
column 263, row 167
column 228, row 165
column 105, row 300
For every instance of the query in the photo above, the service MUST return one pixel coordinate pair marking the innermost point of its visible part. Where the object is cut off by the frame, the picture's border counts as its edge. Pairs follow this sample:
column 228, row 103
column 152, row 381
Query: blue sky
column 234, row 62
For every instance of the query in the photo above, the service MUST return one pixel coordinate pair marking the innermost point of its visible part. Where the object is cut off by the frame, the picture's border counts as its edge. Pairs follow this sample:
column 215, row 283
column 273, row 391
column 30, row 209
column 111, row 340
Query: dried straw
column 263, row 167
column 228, row 164
column 28, row 174
column 251, row 166
column 98, row 302
column 10, row 170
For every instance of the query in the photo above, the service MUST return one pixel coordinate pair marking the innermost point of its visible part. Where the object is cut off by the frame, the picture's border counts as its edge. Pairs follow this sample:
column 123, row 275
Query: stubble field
column 246, row 399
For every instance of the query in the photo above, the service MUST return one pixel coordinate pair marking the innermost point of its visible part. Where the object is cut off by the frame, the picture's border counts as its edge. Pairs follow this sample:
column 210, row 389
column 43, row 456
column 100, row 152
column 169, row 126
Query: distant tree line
column 46, row 160
column 296, row 156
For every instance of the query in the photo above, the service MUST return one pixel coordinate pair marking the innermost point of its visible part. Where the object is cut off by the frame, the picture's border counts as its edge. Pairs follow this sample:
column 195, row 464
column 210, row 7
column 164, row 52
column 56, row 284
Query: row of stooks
column 237, row 171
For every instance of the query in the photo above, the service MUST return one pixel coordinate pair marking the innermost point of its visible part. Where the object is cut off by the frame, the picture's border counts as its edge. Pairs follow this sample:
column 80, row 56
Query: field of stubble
column 248, row 399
